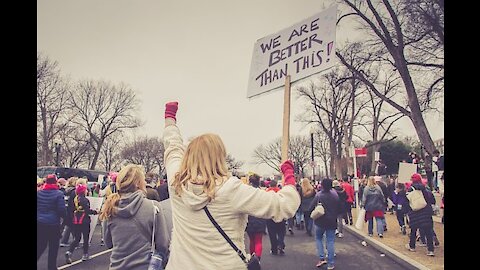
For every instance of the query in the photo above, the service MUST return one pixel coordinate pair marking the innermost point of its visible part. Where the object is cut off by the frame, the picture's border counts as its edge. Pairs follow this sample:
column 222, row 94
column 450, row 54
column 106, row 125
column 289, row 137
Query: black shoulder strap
column 237, row 250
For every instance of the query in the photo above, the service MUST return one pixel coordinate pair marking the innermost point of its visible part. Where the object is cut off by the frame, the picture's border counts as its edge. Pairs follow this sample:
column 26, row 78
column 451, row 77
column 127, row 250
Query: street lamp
column 312, row 131
column 58, row 147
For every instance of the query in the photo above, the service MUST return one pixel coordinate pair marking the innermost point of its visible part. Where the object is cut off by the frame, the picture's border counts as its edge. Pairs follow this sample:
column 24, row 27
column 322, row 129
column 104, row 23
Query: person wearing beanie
column 421, row 219
column 200, row 183
column 81, row 223
column 112, row 187
column 50, row 209
column 326, row 224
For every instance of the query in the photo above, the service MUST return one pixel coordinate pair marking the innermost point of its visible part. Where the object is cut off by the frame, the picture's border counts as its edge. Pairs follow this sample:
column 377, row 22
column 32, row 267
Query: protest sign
column 405, row 171
column 303, row 49
column 96, row 204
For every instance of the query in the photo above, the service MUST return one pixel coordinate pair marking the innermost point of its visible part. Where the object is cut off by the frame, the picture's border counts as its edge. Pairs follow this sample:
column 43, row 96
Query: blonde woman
column 127, row 218
column 198, row 178
column 307, row 195
column 374, row 203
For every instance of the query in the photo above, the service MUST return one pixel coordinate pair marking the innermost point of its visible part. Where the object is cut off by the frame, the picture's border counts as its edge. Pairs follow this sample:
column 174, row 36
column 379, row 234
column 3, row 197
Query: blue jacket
column 330, row 202
column 50, row 207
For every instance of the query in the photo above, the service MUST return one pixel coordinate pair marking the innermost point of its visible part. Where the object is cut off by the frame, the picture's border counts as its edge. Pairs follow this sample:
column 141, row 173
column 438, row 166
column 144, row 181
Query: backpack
column 79, row 213
column 416, row 199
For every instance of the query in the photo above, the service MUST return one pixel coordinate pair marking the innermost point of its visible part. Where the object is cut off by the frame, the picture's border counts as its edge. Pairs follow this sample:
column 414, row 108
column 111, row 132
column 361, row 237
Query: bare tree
column 103, row 109
column 233, row 164
column 74, row 146
column 328, row 106
column 298, row 152
column 394, row 43
column 110, row 158
column 145, row 151
column 52, row 95
column 321, row 145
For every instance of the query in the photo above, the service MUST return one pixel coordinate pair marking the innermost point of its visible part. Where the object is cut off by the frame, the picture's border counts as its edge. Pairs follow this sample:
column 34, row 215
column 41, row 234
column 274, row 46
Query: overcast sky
column 195, row 52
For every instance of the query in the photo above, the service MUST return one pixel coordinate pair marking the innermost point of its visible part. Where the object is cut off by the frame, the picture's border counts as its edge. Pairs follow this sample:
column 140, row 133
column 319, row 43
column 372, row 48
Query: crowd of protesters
column 201, row 197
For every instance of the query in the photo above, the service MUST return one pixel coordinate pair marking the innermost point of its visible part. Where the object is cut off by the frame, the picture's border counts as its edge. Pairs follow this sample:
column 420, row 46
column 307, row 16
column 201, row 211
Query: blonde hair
column 72, row 181
column 204, row 162
column 129, row 179
column 82, row 181
column 307, row 188
column 371, row 181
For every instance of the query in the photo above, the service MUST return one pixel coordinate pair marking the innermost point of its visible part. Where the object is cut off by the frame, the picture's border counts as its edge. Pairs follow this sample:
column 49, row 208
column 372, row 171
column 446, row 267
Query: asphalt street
column 300, row 255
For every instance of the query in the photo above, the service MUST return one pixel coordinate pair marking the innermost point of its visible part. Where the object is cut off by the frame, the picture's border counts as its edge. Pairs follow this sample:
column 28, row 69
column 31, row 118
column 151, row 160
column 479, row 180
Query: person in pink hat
column 421, row 219
column 81, row 223
column 50, row 209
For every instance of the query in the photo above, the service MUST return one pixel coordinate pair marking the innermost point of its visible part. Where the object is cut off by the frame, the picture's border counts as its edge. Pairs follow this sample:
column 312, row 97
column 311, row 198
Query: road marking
column 79, row 261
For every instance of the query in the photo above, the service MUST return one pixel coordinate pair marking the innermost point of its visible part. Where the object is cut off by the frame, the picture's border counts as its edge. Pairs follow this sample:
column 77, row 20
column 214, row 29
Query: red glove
column 287, row 170
column 171, row 110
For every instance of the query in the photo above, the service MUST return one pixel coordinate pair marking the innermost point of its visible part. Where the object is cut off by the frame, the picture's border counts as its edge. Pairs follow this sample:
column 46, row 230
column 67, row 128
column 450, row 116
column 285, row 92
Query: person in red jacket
column 350, row 195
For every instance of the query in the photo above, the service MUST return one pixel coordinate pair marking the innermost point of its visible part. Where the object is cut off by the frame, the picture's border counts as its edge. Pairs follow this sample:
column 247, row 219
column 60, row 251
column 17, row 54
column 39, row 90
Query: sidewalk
column 393, row 244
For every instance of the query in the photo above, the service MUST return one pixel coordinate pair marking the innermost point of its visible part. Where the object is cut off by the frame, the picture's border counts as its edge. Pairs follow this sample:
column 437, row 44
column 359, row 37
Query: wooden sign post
column 286, row 119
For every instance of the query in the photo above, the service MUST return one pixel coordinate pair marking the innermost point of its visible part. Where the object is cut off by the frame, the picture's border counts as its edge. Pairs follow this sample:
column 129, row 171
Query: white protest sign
column 301, row 50
column 96, row 204
column 405, row 171
column 100, row 179
column 377, row 156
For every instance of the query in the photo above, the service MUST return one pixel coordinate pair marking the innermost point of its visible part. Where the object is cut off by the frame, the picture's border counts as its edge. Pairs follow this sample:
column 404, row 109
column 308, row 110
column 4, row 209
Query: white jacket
column 196, row 243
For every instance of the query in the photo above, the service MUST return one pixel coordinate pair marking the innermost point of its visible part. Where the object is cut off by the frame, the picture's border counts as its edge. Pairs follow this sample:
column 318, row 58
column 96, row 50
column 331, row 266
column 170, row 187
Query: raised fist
column 171, row 110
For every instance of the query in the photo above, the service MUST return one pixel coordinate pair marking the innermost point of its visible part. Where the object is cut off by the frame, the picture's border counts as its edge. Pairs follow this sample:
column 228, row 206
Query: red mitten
column 287, row 170
column 171, row 110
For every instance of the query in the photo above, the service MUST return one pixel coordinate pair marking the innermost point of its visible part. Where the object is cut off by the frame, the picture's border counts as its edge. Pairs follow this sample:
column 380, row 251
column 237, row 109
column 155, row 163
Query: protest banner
column 96, row 204
column 296, row 52
column 301, row 50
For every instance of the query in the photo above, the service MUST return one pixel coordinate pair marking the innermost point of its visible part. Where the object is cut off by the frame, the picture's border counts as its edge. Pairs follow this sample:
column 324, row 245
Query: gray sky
column 195, row 52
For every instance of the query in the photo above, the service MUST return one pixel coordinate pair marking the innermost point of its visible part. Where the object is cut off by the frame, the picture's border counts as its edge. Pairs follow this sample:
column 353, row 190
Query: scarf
column 50, row 187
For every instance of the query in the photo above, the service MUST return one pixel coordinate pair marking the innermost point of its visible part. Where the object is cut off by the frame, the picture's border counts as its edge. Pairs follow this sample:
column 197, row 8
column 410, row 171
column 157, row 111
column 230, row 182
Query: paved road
column 300, row 255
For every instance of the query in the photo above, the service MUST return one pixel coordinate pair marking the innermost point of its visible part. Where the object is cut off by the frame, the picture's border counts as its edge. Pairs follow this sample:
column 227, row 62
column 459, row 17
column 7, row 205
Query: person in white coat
column 198, row 177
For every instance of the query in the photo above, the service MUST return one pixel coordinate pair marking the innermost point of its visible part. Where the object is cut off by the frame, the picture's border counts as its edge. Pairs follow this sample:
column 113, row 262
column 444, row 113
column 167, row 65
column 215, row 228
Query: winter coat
column 152, row 193
column 131, row 242
column 373, row 199
column 256, row 225
column 196, row 243
column 306, row 201
column 84, row 203
column 50, row 206
column 421, row 218
column 400, row 198
column 163, row 191
column 350, row 192
column 330, row 202
column 342, row 197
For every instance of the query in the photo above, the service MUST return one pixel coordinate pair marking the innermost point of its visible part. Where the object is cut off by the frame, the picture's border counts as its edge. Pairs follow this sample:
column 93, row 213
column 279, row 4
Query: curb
column 403, row 260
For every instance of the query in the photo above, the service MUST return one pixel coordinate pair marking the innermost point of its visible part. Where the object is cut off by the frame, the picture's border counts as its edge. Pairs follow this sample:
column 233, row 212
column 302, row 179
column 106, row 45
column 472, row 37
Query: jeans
column 298, row 217
column 380, row 225
column 427, row 231
column 330, row 239
column 276, row 233
column 400, row 217
column 48, row 235
column 308, row 222
column 340, row 223
column 349, row 216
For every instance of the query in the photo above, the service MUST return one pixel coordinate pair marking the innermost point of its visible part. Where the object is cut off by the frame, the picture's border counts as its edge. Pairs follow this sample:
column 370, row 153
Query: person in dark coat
column 383, row 186
column 152, row 193
column 50, row 209
column 421, row 219
column 69, row 195
column 342, row 206
column 162, row 190
column 327, row 223
column 256, row 227
column 307, row 195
